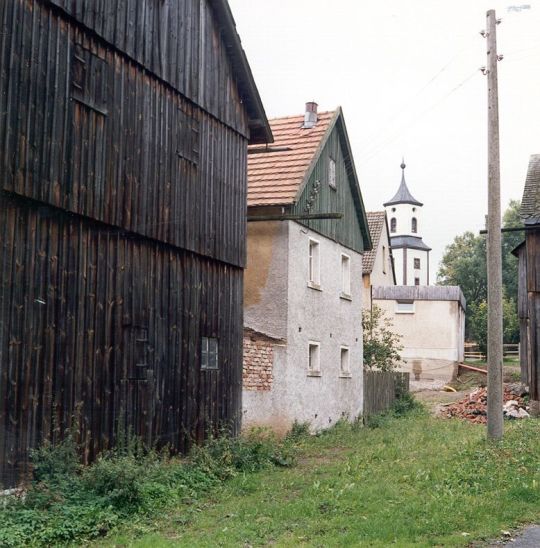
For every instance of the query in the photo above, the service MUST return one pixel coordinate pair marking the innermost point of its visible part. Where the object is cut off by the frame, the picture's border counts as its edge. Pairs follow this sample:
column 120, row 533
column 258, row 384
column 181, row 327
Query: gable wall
column 346, row 230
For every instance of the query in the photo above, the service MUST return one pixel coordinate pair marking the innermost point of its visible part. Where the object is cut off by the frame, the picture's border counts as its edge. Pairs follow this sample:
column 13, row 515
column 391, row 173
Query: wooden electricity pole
column 494, row 261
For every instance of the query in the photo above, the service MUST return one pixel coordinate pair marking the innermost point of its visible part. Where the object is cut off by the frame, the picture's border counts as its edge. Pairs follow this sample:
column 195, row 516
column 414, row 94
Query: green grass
column 412, row 481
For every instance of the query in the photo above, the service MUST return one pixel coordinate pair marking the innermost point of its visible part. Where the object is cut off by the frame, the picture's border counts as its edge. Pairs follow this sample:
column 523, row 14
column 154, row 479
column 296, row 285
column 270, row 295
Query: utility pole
column 494, row 260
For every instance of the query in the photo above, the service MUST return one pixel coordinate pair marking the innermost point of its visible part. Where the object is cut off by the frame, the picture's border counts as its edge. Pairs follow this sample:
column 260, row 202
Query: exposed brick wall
column 258, row 362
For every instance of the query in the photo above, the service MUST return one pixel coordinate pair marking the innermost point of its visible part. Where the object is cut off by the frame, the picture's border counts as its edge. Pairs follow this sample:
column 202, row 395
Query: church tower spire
column 411, row 254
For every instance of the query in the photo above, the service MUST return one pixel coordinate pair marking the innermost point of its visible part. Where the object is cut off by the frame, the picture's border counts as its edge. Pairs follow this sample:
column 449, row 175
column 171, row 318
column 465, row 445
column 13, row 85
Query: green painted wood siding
column 347, row 230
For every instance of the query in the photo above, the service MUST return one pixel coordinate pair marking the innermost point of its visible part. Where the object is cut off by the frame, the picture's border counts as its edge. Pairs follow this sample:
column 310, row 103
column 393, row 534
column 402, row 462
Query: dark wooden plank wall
column 532, row 244
column 177, row 40
column 77, row 296
column 382, row 388
column 523, row 315
column 84, row 128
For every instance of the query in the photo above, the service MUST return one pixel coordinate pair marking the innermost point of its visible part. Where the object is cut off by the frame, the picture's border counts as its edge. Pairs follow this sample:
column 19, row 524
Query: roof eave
column 412, row 202
column 259, row 128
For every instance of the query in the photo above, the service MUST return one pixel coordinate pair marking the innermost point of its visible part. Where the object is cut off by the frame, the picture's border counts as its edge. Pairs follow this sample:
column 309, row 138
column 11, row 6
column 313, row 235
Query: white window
column 345, row 275
column 405, row 307
column 314, row 263
column 209, row 353
column 332, row 172
column 314, row 358
column 345, row 370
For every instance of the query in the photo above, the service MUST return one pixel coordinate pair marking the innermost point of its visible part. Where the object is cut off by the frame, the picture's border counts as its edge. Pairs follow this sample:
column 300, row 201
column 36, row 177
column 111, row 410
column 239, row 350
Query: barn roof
column 275, row 177
column 530, row 204
column 420, row 293
column 377, row 223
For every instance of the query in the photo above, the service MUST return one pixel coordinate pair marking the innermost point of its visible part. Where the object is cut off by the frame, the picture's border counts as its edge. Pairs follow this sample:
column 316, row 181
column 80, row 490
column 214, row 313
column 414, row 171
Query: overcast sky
column 406, row 74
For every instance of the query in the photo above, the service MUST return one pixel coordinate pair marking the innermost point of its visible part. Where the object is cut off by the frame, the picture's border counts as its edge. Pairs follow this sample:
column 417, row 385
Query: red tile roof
column 377, row 223
column 274, row 178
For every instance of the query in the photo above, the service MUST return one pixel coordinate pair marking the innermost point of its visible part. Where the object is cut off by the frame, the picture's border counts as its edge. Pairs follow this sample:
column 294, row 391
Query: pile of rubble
column 474, row 406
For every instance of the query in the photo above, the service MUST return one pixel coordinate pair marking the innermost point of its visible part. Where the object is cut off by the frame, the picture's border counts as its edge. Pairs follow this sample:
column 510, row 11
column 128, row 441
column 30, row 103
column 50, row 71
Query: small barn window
column 209, row 353
column 314, row 358
column 332, row 173
column 414, row 225
column 393, row 224
column 314, row 263
column 417, row 263
column 345, row 366
column 405, row 307
column 345, row 274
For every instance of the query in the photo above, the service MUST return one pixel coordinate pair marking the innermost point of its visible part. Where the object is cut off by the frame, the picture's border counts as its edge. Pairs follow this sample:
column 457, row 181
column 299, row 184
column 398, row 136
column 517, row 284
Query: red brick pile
column 474, row 406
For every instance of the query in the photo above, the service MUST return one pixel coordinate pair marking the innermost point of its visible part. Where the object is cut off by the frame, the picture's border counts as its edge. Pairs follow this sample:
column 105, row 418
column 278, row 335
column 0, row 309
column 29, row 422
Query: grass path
column 413, row 481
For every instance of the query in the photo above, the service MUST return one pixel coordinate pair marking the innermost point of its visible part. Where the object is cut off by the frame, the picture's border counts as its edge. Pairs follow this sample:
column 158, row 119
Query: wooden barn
column 123, row 149
column 529, row 285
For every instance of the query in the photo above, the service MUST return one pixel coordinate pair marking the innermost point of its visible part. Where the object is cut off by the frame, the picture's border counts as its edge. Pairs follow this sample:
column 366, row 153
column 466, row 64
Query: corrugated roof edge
column 259, row 127
column 420, row 293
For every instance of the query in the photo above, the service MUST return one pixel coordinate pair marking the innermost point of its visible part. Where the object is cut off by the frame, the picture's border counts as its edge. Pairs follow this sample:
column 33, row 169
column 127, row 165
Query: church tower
column 411, row 254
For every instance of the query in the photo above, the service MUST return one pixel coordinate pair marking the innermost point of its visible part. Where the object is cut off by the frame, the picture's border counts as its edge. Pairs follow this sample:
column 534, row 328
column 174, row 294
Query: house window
column 417, row 263
column 314, row 263
column 314, row 358
column 414, row 225
column 332, row 173
column 393, row 224
column 384, row 259
column 345, row 274
column 209, row 353
column 345, row 369
column 417, row 281
column 405, row 307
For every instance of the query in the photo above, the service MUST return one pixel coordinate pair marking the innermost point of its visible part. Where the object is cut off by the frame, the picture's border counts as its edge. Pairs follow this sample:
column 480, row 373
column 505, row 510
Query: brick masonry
column 258, row 361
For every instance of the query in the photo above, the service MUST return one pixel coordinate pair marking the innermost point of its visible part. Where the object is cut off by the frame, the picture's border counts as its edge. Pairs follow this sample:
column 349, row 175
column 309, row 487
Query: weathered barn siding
column 123, row 153
column 80, row 299
column 84, row 129
column 533, row 296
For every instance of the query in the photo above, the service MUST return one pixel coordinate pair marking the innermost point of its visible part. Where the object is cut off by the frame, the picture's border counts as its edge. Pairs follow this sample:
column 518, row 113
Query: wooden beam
column 292, row 217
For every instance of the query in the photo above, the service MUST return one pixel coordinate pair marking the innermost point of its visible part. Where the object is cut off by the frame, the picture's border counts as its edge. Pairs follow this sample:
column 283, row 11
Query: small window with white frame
column 332, row 173
column 345, row 275
column 345, row 364
column 314, row 358
column 209, row 353
column 314, row 264
column 405, row 307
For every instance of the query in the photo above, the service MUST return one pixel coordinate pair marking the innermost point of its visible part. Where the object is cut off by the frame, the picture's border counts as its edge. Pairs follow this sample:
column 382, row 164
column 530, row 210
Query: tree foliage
column 464, row 264
column 381, row 344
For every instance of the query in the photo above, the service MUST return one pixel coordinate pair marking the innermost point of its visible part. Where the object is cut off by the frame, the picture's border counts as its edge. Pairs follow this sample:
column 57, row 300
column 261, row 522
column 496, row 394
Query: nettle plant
column 381, row 345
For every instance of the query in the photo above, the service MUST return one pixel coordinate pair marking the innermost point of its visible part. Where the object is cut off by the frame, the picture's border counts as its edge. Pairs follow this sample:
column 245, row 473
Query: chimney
column 310, row 117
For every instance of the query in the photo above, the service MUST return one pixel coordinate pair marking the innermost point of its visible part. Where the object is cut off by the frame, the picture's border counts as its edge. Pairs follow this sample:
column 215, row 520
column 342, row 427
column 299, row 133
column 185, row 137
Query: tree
column 464, row 264
column 381, row 344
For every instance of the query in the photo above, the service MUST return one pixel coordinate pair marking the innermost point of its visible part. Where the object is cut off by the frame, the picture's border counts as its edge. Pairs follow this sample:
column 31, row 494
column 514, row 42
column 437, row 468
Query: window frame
column 416, row 261
column 332, row 178
column 404, row 302
column 414, row 225
column 314, row 264
column 393, row 225
column 345, row 373
column 206, row 353
column 416, row 281
column 345, row 276
column 311, row 370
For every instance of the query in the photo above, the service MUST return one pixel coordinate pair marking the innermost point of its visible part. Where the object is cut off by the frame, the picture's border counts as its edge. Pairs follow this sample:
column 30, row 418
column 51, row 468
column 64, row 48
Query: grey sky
column 406, row 74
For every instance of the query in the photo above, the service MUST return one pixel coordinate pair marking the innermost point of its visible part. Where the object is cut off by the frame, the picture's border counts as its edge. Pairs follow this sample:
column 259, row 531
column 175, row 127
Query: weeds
column 67, row 503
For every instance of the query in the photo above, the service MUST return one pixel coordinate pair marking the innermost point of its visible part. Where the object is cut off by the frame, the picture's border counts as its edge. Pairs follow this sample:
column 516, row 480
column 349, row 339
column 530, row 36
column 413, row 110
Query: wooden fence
column 472, row 351
column 382, row 388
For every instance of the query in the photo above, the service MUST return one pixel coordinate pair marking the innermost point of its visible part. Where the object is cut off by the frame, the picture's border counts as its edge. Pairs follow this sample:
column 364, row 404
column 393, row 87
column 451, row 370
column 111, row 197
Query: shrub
column 381, row 344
